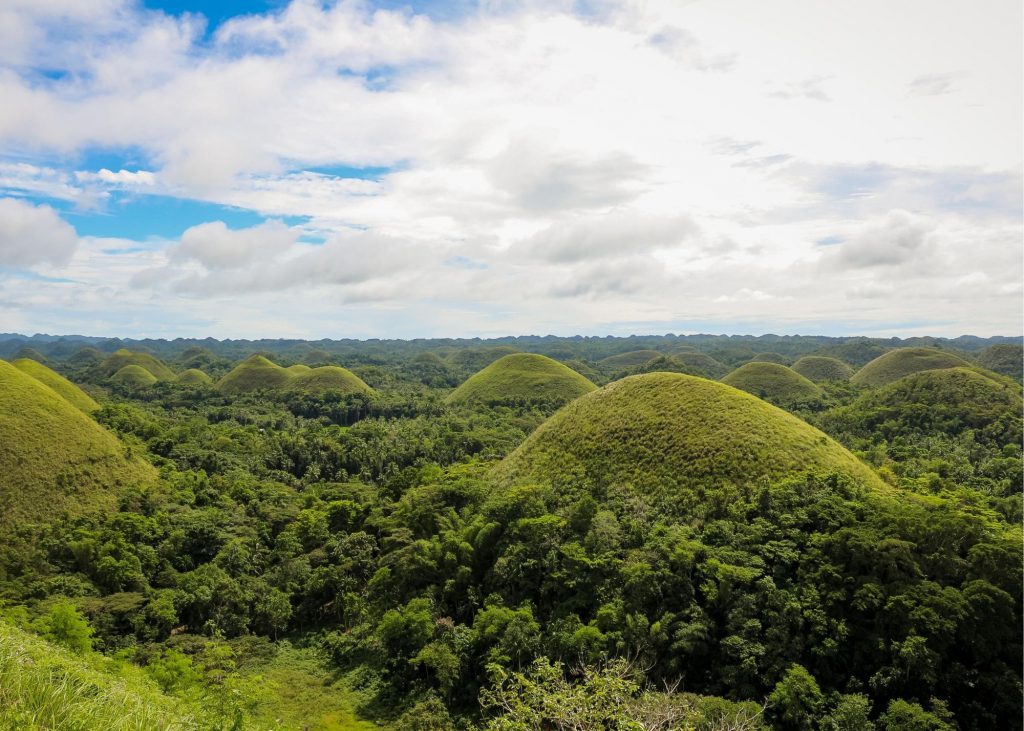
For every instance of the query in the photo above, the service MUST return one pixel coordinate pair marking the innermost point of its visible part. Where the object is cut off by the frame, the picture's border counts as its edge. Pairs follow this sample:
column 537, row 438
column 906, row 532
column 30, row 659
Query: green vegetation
column 29, row 354
column 473, row 359
column 58, row 383
column 54, row 458
column 1005, row 359
column 133, row 376
column 523, row 378
column 702, row 363
column 328, row 378
column 194, row 377
column 628, row 360
column 899, row 363
column 257, row 373
column 820, row 368
column 771, row 358
column 774, row 383
column 664, row 432
column 123, row 357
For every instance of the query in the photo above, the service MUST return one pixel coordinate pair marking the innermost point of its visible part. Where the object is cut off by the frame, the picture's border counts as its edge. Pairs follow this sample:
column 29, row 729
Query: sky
column 392, row 169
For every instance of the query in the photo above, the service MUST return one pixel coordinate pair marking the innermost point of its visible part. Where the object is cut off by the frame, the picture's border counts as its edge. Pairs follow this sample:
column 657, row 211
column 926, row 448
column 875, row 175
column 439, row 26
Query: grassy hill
column 899, row 363
column 523, row 377
column 703, row 363
column 473, row 359
column 65, row 388
column 133, row 376
column 121, row 358
column 821, row 368
column 53, row 457
column 948, row 401
column 43, row 686
column 30, row 354
column 1006, row 359
column 771, row 357
column 772, row 382
column 631, row 359
column 328, row 378
column 194, row 377
column 255, row 373
column 670, row 431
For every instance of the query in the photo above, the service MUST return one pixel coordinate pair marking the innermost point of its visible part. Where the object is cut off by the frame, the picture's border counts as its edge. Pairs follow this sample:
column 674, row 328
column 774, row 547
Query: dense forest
column 656, row 533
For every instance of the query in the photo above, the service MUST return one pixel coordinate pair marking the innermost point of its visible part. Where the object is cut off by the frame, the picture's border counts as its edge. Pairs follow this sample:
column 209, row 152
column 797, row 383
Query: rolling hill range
column 257, row 373
column 898, row 363
column 54, row 458
column 133, row 376
column 822, row 368
column 522, row 377
column 664, row 431
column 123, row 357
column 703, row 363
column 1006, row 359
column 772, row 382
column 194, row 377
column 628, row 360
column 65, row 388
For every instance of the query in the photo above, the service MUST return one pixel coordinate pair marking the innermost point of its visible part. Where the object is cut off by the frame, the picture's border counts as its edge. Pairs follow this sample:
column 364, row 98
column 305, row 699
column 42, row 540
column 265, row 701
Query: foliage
column 819, row 368
column 899, row 363
column 522, row 378
column 56, row 382
column 774, row 383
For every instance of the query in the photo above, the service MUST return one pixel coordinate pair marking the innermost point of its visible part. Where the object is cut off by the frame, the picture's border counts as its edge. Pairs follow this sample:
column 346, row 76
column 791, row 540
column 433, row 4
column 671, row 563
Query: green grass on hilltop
column 772, row 382
column 1005, row 359
column 703, row 363
column 46, row 688
column 121, row 358
column 631, row 359
column 256, row 373
column 194, row 377
column 53, row 457
column 899, row 363
column 133, row 376
column 65, row 388
column 666, row 431
column 821, row 368
column 523, row 377
column 771, row 357
column 30, row 354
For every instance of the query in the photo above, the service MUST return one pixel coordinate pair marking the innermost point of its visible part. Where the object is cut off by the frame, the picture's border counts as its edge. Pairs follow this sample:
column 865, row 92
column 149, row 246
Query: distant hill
column 899, row 363
column 771, row 358
column 53, row 457
column 194, row 377
column 631, row 359
column 1006, row 359
column 473, row 359
column 773, row 382
column 65, row 388
column 821, row 368
column 522, row 377
column 121, row 358
column 257, row 373
column 702, row 362
column 133, row 376
column 664, row 431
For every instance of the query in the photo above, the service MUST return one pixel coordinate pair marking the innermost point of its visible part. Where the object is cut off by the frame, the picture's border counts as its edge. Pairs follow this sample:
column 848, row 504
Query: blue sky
column 406, row 169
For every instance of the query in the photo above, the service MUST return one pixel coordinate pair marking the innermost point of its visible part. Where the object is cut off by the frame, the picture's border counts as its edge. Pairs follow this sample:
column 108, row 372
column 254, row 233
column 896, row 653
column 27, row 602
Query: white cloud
column 215, row 246
column 31, row 235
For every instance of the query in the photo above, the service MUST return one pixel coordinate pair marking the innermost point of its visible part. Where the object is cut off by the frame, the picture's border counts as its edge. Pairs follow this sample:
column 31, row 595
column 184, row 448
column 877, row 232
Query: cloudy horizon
column 430, row 169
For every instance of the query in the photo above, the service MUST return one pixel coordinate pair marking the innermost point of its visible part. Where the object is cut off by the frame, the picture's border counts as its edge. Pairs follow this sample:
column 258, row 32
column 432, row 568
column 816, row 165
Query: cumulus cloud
column 215, row 246
column 899, row 238
column 620, row 233
column 31, row 235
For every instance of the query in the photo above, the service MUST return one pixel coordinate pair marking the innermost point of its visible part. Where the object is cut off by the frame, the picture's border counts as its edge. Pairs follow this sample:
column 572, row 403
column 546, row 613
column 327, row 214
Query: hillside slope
column 899, row 363
column 522, row 377
column 65, row 388
column 822, row 368
column 772, row 382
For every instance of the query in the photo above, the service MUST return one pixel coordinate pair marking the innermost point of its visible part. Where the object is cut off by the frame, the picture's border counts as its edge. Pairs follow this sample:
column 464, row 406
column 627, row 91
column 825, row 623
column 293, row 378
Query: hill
column 771, row 357
column 194, row 377
column 628, row 360
column 772, row 382
column 133, row 376
column 821, row 368
column 1006, row 359
column 665, row 431
column 53, row 457
column 473, row 359
column 702, row 362
column 255, row 373
column 43, row 686
column 522, row 377
column 121, row 358
column 62, row 386
column 30, row 354
column 899, row 363
column 328, row 378
column 946, row 402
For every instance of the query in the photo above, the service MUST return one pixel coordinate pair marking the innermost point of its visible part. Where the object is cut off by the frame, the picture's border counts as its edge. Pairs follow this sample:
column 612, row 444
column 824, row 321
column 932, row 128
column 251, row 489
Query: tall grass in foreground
column 45, row 687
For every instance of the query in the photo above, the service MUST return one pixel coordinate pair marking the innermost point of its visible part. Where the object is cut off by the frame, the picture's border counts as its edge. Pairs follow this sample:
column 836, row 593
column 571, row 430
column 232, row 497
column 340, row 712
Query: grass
column 194, row 377
column 772, row 382
column 473, row 359
column 1005, row 359
column 667, row 431
column 256, row 373
column 121, row 358
column 631, row 359
column 899, row 363
column 46, row 687
column 53, row 457
column 771, row 357
column 702, row 362
column 523, row 377
column 65, row 388
column 821, row 368
column 134, row 376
